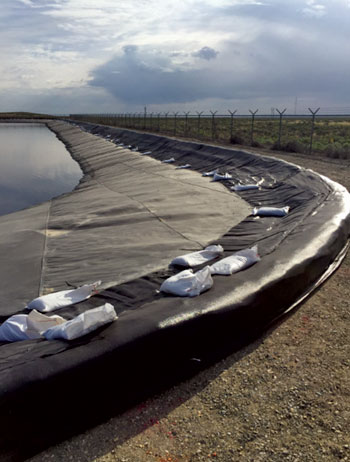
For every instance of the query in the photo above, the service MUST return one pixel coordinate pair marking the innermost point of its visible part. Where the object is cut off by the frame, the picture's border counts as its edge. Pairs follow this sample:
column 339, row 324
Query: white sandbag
column 270, row 211
column 183, row 166
column 82, row 324
column 199, row 257
column 188, row 284
column 218, row 177
column 237, row 262
column 168, row 161
column 14, row 329
column 145, row 153
column 39, row 323
column 51, row 302
column 26, row 327
column 244, row 187
column 209, row 173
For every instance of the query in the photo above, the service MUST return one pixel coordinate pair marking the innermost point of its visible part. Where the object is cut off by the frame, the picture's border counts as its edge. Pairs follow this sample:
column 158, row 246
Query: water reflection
column 34, row 166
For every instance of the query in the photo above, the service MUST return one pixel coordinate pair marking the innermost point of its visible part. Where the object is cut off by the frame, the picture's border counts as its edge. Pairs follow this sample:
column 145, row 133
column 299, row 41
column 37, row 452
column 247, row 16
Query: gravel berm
column 285, row 397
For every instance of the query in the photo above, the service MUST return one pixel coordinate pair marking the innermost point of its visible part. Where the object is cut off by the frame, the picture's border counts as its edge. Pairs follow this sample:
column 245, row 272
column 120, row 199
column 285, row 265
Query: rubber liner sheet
column 155, row 330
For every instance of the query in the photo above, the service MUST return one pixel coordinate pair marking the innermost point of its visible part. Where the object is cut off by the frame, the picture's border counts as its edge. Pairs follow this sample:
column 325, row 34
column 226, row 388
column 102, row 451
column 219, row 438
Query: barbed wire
column 277, row 130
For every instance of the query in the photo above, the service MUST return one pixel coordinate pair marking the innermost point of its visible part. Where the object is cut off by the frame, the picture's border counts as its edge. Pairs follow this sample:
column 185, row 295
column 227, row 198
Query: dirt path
column 284, row 398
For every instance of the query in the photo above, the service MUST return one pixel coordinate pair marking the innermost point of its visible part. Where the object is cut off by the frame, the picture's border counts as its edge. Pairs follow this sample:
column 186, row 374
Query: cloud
column 69, row 100
column 148, row 76
column 206, row 53
column 314, row 9
column 149, row 52
column 271, row 65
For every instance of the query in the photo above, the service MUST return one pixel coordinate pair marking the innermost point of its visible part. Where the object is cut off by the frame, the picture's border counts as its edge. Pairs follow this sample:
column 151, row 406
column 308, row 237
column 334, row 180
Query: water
column 34, row 166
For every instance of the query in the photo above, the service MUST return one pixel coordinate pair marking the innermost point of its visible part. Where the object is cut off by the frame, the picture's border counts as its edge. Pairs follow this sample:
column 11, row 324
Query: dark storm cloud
column 270, row 65
column 150, row 77
column 206, row 53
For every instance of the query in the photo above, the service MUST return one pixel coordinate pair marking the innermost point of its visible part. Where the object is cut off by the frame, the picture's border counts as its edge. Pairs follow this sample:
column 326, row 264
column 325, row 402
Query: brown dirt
column 283, row 398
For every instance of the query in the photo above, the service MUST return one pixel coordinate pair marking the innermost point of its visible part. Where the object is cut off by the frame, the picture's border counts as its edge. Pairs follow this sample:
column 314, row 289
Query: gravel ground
column 284, row 397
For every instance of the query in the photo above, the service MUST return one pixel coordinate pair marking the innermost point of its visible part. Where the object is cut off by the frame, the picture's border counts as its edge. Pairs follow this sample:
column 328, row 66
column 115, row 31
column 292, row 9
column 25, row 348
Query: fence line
column 306, row 133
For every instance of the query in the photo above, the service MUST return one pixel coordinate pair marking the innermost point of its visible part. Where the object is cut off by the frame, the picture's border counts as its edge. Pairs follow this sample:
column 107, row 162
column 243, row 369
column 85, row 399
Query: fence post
column 199, row 123
column 312, row 127
column 175, row 121
column 166, row 121
column 252, row 128
column 144, row 118
column 280, row 125
column 158, row 121
column 186, row 121
column 213, row 124
column 231, row 122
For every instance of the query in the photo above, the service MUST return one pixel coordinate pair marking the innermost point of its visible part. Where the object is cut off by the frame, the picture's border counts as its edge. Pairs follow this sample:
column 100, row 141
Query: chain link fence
column 311, row 133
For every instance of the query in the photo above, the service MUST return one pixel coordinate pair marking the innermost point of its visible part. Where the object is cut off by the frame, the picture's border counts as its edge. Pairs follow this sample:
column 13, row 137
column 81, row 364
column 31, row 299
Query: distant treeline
column 25, row 115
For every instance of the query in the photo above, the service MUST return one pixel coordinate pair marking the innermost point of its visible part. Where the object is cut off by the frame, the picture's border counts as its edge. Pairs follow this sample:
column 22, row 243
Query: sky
column 98, row 56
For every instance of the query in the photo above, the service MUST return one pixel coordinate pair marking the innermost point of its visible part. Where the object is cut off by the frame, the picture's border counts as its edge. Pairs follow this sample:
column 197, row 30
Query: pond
column 34, row 166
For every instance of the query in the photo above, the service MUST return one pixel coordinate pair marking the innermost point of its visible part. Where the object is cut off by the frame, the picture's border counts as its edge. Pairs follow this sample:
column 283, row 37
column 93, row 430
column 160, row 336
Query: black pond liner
column 49, row 390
